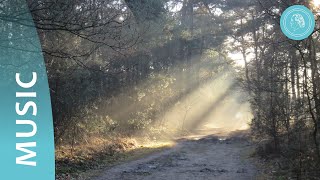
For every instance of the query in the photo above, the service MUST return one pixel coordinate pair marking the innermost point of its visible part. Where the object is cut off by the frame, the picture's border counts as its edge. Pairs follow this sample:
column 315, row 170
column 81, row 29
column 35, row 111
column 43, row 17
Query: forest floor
column 219, row 156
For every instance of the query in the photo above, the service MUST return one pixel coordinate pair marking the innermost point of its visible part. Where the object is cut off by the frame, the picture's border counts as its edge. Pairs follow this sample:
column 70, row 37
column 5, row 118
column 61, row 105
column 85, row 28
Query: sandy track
column 205, row 158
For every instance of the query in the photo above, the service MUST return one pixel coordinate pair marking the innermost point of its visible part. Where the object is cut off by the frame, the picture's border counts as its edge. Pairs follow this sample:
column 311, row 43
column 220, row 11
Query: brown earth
column 219, row 156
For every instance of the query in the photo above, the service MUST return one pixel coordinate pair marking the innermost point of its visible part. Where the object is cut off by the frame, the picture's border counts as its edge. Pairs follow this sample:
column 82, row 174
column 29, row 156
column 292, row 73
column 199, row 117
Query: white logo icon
column 297, row 22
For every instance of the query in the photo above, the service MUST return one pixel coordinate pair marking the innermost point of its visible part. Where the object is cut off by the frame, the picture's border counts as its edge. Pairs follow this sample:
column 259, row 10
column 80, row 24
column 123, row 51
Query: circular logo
column 297, row 22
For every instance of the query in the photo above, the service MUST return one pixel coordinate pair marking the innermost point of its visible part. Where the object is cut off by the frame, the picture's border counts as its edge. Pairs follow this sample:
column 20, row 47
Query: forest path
column 193, row 158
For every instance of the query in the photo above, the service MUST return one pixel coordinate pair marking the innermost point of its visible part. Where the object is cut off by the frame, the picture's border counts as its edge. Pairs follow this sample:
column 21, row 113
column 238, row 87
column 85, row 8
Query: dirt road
column 209, row 157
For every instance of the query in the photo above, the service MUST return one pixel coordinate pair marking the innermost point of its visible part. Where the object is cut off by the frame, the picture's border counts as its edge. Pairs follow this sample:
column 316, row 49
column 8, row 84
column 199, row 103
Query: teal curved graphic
column 297, row 22
column 26, row 130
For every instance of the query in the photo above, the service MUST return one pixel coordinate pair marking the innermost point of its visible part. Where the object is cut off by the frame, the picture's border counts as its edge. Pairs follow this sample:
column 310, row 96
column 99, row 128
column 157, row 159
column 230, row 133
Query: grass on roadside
column 88, row 160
